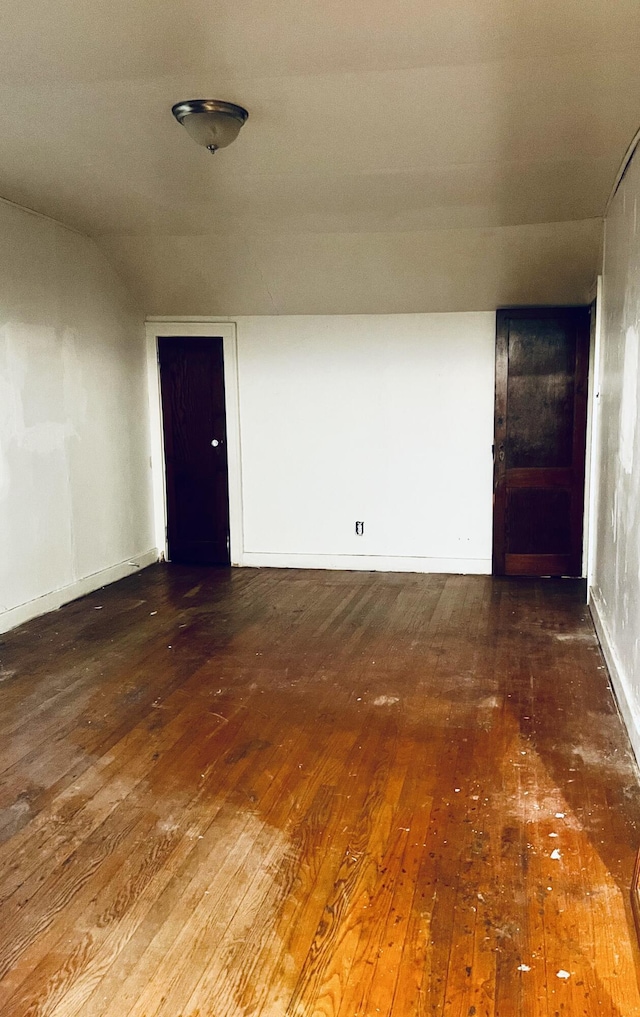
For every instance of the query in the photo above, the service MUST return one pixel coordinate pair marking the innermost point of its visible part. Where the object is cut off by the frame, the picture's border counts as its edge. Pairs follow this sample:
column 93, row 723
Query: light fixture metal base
column 183, row 109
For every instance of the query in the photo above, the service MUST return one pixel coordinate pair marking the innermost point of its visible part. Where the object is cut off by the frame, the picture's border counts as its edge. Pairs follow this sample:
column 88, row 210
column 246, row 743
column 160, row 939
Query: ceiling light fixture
column 210, row 122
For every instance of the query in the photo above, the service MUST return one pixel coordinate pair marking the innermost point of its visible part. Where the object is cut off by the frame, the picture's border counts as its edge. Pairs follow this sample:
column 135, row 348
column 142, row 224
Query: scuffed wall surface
column 616, row 583
column 74, row 444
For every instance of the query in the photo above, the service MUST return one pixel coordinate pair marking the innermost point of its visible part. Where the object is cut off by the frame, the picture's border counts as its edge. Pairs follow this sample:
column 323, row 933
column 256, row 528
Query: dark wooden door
column 542, row 357
column 195, row 446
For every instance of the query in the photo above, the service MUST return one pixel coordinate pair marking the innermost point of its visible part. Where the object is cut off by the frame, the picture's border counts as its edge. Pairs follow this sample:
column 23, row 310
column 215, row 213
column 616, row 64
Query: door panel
column 195, row 442
column 539, row 521
column 540, row 426
column 540, row 396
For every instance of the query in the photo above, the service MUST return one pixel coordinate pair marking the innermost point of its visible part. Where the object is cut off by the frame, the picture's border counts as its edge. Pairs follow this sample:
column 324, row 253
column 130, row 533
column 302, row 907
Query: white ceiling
column 389, row 134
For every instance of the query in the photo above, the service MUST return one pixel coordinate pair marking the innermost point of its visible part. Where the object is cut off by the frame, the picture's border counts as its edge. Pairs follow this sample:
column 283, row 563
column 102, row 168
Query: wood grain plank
column 329, row 794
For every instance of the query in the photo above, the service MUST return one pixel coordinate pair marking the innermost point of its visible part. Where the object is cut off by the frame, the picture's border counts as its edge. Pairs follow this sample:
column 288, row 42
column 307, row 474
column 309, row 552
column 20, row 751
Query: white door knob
column 215, row 443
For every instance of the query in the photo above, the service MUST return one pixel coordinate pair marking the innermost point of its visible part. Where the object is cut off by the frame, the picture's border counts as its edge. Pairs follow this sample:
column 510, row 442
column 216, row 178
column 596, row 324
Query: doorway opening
column 199, row 357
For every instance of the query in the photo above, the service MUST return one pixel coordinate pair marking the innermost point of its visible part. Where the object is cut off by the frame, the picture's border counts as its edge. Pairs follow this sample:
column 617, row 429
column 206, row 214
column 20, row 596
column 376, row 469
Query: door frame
column 207, row 329
column 592, row 465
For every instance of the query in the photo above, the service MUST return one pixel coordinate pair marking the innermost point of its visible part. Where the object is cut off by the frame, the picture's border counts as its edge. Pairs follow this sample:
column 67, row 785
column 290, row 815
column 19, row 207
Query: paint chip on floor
column 563, row 974
column 556, row 855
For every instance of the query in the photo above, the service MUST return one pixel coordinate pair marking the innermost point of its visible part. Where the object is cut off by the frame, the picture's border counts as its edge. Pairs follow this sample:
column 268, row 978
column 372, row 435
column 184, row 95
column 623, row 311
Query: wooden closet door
column 542, row 357
column 195, row 443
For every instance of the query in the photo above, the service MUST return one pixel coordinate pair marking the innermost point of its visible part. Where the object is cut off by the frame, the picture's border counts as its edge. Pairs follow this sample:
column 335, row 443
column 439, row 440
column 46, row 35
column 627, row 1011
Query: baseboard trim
column 628, row 711
column 367, row 563
column 52, row 601
column 635, row 894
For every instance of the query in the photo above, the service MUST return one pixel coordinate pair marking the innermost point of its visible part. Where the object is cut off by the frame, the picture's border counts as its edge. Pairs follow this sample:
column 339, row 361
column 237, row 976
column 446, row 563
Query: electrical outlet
column 359, row 528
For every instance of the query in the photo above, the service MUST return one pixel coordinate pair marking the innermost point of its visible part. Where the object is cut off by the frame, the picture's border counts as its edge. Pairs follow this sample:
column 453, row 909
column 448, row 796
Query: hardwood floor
column 305, row 794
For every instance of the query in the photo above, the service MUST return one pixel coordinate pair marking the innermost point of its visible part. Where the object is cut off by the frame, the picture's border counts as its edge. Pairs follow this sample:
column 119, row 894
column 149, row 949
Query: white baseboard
column 52, row 601
column 624, row 699
column 367, row 563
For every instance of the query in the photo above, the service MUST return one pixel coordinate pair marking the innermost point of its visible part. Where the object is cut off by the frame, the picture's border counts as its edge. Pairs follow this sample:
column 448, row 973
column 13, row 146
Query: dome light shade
column 210, row 122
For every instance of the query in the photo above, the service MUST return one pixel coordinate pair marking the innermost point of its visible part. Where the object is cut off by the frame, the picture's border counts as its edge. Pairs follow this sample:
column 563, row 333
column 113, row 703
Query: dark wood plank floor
column 305, row 794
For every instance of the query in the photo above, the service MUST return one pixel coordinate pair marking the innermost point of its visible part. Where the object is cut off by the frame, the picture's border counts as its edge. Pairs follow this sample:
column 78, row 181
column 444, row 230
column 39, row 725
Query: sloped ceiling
column 398, row 157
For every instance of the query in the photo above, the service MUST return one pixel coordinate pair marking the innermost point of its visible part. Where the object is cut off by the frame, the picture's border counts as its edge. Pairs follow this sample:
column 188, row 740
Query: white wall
column 615, row 583
column 381, row 418
column 75, row 492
